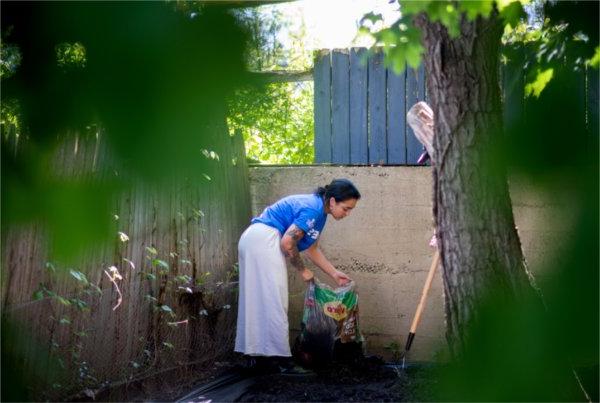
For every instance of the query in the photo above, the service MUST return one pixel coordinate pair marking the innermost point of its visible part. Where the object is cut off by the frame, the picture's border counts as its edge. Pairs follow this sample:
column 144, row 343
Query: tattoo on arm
column 295, row 259
column 295, row 233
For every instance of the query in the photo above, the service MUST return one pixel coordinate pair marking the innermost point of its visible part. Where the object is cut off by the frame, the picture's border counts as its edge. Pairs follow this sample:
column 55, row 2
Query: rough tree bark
column 478, row 241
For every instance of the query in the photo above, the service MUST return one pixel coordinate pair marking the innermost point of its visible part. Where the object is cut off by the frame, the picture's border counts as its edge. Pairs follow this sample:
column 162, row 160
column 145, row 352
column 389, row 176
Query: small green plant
column 395, row 349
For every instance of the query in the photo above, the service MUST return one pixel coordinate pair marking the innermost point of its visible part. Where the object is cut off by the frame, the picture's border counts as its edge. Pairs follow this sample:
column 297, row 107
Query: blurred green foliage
column 70, row 55
column 151, row 78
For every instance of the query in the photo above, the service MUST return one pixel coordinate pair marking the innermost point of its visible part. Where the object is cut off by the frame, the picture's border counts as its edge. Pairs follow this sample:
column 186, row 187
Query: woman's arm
column 289, row 246
column 318, row 258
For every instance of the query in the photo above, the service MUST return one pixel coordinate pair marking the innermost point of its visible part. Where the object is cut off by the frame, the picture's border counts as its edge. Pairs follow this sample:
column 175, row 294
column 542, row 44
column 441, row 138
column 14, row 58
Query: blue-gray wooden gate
column 360, row 109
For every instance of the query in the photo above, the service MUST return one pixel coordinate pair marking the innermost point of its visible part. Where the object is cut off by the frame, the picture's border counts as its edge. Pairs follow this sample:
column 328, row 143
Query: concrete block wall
column 383, row 245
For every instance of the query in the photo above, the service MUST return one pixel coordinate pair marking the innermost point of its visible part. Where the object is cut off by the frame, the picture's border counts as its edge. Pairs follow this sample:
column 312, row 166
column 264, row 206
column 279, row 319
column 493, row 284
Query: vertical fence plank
column 396, row 109
column 322, row 80
column 592, row 102
column 340, row 103
column 414, row 81
column 377, row 112
column 359, row 151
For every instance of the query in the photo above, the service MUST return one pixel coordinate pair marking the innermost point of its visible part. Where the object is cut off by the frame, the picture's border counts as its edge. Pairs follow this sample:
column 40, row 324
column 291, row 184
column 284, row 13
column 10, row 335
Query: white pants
column 262, row 322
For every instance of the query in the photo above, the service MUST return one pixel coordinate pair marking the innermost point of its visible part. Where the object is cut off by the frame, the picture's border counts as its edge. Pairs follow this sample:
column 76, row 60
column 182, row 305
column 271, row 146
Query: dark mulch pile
column 367, row 380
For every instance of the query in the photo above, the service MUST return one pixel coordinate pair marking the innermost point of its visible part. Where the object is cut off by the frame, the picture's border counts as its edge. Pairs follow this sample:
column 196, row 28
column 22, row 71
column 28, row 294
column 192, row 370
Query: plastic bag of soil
column 329, row 331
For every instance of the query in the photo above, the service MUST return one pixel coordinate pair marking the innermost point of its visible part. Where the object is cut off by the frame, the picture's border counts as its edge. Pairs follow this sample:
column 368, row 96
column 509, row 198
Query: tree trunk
column 479, row 245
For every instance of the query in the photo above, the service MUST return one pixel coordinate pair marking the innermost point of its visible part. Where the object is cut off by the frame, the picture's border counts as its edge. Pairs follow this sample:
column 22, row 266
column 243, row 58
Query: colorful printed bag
column 329, row 328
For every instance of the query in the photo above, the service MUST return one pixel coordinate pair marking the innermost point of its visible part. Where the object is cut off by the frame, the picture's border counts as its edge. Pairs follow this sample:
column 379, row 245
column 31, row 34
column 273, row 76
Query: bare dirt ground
column 366, row 381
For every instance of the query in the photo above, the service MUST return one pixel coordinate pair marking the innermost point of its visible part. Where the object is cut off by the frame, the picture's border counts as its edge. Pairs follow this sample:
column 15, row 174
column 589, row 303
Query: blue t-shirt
column 305, row 211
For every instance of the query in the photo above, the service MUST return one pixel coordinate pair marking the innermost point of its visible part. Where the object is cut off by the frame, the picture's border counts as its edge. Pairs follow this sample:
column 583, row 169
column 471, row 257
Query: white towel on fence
column 262, row 322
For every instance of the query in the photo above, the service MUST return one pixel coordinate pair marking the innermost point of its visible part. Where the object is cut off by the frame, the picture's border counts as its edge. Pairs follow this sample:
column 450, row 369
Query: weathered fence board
column 396, row 108
column 359, row 142
column 377, row 112
column 322, row 85
column 340, row 108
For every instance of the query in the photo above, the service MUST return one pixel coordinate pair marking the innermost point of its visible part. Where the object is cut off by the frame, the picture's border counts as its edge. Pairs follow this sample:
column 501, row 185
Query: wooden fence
column 191, row 226
column 360, row 109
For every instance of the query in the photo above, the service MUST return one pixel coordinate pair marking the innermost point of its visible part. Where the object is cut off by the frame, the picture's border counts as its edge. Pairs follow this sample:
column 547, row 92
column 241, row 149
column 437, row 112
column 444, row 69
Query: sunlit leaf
column 476, row 8
column 123, row 237
column 536, row 87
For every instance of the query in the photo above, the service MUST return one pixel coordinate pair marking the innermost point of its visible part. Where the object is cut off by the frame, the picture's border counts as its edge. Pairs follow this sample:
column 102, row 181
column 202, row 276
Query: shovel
column 421, row 306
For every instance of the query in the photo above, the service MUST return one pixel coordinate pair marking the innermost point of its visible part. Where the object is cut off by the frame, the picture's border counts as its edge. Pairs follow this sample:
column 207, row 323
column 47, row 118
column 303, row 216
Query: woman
column 284, row 229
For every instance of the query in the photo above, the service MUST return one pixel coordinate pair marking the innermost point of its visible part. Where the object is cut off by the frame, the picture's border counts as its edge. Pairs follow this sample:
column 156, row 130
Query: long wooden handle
column 426, row 287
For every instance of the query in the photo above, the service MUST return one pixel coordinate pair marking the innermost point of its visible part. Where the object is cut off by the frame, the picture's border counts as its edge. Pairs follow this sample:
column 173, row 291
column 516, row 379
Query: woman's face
column 341, row 209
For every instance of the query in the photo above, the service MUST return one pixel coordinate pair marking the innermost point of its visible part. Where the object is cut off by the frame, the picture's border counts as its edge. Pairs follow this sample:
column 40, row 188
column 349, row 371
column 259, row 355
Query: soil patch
column 366, row 381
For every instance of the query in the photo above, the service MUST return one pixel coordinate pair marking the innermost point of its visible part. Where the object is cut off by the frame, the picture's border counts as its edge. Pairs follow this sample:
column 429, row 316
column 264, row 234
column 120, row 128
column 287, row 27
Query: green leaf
column 39, row 294
column 50, row 267
column 80, row 304
column 151, row 250
column 413, row 55
column 542, row 79
column 513, row 13
column 79, row 276
column 183, row 278
column 160, row 263
column 473, row 8
column 65, row 321
column 447, row 14
column 372, row 17
column 166, row 308
column 150, row 298
column 96, row 289
column 63, row 300
column 150, row 276
column 167, row 344
column 410, row 7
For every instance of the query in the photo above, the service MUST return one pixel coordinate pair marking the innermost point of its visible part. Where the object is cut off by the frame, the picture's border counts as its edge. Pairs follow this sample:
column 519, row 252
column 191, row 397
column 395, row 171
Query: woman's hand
column 340, row 278
column 307, row 275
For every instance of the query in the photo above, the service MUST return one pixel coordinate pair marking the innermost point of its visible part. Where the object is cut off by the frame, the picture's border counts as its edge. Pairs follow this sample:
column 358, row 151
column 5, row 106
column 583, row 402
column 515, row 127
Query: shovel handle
column 421, row 306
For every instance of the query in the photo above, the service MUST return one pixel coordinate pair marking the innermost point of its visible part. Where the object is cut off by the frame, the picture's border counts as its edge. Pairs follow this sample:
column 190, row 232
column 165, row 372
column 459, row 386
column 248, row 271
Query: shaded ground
column 368, row 381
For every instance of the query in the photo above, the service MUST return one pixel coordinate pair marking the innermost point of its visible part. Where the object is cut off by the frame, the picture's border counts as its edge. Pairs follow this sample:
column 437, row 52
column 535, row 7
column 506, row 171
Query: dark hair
column 339, row 189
